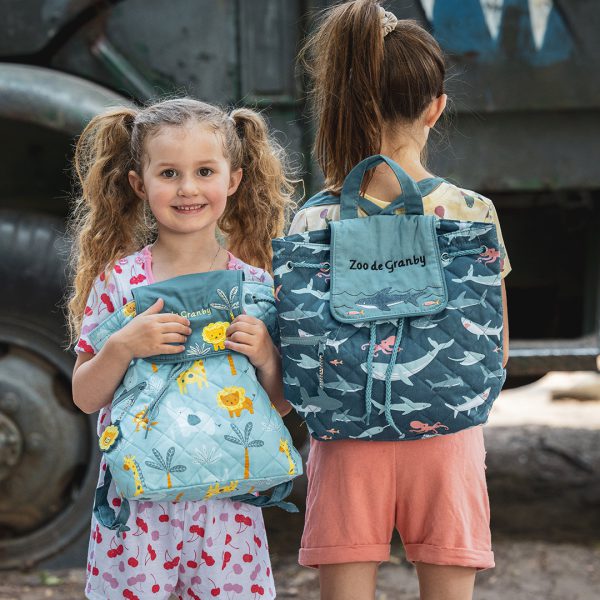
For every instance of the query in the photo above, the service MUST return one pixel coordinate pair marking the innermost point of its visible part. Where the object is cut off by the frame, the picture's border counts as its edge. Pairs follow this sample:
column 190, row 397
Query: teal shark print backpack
column 195, row 425
column 391, row 325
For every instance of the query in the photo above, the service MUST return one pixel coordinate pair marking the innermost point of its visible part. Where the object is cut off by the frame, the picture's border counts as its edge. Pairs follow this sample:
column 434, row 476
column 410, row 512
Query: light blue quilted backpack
column 391, row 325
column 195, row 425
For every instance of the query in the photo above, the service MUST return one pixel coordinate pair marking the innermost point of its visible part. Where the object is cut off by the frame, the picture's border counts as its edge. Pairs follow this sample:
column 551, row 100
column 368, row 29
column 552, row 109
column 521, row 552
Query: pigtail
column 258, row 210
column 108, row 218
column 343, row 58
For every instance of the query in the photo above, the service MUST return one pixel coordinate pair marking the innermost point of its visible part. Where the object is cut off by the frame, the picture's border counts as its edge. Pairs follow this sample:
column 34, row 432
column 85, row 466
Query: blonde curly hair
column 110, row 222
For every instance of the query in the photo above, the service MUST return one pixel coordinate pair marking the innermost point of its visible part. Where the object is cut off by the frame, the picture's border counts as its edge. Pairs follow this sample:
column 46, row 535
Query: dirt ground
column 544, row 478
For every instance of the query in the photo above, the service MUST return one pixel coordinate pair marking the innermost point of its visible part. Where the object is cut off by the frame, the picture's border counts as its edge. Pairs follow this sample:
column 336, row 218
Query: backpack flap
column 384, row 267
column 209, row 300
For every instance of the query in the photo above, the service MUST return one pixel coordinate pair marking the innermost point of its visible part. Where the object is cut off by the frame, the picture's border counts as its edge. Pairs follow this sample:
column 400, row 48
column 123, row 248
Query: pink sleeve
column 101, row 302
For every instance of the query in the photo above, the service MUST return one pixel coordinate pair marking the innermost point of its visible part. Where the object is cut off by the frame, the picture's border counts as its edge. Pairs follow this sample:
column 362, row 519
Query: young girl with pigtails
column 157, row 185
column 378, row 88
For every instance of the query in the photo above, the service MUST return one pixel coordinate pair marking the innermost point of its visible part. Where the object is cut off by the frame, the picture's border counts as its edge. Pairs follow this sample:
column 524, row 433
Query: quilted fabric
column 445, row 370
column 203, row 426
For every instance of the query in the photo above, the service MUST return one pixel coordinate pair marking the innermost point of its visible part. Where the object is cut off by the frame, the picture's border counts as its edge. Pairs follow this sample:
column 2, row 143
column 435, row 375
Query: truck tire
column 48, row 448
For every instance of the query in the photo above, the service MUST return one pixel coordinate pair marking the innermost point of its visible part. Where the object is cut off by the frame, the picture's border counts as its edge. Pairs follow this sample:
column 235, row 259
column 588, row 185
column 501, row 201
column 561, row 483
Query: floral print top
column 445, row 201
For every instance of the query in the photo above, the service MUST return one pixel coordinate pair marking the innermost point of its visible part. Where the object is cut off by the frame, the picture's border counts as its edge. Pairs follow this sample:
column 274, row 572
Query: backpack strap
column 104, row 513
column 278, row 493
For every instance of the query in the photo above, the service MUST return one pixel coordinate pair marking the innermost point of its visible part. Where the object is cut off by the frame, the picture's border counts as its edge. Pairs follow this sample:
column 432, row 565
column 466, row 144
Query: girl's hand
column 248, row 335
column 152, row 332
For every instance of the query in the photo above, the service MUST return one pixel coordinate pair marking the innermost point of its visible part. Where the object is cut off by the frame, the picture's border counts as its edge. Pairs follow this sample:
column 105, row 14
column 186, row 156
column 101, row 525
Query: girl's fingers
column 240, row 327
column 173, row 327
column 241, row 348
column 172, row 318
column 241, row 337
column 245, row 319
column 173, row 337
column 167, row 349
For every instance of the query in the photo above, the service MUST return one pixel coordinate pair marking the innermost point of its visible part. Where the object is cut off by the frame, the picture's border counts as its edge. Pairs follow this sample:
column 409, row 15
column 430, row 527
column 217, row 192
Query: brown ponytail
column 256, row 213
column 362, row 82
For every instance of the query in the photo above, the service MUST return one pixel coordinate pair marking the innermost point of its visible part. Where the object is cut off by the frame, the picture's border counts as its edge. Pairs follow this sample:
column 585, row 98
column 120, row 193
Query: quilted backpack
column 391, row 325
column 195, row 425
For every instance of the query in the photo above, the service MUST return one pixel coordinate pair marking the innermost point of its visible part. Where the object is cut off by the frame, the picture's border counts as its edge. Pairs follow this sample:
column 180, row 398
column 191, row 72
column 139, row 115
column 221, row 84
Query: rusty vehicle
column 523, row 132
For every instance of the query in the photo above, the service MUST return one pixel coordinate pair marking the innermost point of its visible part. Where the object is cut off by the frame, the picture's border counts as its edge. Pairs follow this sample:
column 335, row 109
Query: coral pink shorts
column 433, row 491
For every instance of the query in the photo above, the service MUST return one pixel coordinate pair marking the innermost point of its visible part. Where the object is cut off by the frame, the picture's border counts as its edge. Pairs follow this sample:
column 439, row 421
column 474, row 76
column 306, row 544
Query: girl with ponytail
column 176, row 188
column 378, row 88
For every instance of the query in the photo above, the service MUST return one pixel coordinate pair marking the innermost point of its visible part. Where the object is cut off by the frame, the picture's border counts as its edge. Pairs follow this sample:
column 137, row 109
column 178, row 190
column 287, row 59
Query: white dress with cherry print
column 203, row 549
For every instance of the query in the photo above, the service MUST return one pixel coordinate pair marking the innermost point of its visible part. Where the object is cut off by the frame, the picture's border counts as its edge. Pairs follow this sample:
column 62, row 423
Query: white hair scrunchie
column 388, row 20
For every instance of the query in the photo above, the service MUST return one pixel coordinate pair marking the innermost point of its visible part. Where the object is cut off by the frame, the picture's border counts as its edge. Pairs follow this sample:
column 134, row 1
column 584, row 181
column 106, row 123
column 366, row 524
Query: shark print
column 470, row 403
column 405, row 407
column 447, row 383
column 369, row 433
column 343, row 386
column 322, row 400
column 481, row 279
column 463, row 302
column 469, row 358
column 306, row 362
column 426, row 322
column 487, row 374
column 471, row 233
column 297, row 314
column 309, row 289
column 479, row 330
column 344, row 417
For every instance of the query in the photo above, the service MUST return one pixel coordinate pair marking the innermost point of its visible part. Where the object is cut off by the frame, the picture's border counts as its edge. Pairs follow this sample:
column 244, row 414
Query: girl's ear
column 137, row 184
column 235, row 177
column 435, row 110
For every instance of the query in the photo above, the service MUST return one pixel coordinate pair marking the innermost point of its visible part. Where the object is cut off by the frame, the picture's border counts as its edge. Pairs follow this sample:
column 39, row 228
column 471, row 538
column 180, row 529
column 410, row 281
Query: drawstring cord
column 368, row 399
column 388, row 378
column 388, row 375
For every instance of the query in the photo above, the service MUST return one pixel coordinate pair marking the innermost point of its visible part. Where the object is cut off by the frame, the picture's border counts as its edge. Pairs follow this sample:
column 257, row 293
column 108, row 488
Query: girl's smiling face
column 186, row 178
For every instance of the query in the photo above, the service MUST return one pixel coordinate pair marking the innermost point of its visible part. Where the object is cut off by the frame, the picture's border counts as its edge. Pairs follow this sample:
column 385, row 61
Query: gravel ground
column 544, row 477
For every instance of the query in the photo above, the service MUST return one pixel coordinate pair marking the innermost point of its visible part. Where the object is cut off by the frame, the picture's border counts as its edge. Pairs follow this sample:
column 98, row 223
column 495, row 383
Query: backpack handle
column 410, row 197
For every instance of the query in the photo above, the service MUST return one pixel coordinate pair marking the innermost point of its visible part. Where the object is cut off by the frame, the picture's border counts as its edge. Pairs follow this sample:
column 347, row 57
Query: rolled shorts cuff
column 332, row 555
column 458, row 557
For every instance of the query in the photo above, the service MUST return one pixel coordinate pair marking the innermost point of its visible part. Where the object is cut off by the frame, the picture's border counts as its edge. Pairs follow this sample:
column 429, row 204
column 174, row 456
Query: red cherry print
column 192, row 564
column 132, row 562
column 239, row 518
column 163, row 518
column 120, row 549
column 142, row 524
column 116, row 502
column 111, row 553
column 102, row 276
column 180, row 545
column 257, row 541
column 85, row 346
column 98, row 537
column 257, row 589
column 89, row 567
column 155, row 588
column 226, row 559
column 175, row 561
column 88, row 311
column 118, row 269
column 247, row 558
column 215, row 592
column 227, row 539
column 95, row 571
column 141, row 277
column 208, row 559
column 108, row 302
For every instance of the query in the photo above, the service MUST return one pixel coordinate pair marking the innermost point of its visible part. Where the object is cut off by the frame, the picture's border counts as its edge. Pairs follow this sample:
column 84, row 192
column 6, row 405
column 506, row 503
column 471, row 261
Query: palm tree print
column 229, row 304
column 165, row 464
column 244, row 440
